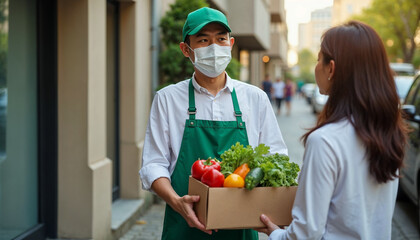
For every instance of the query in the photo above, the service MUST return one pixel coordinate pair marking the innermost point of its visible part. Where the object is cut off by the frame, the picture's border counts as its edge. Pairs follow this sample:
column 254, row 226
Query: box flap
column 196, row 187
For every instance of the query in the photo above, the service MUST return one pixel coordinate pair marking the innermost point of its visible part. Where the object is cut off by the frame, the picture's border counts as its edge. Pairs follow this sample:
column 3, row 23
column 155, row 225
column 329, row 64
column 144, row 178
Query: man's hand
column 184, row 206
column 270, row 226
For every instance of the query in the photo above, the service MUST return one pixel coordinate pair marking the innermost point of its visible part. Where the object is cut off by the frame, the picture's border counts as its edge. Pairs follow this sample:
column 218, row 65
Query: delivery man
column 202, row 117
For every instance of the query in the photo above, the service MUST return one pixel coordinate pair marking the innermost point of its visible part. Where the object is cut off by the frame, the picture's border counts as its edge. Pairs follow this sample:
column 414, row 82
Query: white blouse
column 337, row 197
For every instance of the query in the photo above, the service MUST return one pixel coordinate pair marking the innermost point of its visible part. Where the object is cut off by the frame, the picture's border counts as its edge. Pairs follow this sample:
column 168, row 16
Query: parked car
column 403, row 84
column 410, row 180
column 403, row 69
column 308, row 91
column 318, row 101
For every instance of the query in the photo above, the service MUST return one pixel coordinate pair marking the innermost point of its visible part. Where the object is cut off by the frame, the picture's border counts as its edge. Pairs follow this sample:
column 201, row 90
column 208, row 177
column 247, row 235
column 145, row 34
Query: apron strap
column 192, row 110
column 191, row 99
column 237, row 113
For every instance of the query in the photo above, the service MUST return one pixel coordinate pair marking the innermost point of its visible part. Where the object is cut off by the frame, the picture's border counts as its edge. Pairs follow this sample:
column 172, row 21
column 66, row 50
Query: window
column 19, row 173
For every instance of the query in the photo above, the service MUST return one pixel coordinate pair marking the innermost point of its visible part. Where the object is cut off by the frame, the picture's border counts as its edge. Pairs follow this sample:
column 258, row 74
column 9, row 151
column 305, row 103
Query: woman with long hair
column 349, row 178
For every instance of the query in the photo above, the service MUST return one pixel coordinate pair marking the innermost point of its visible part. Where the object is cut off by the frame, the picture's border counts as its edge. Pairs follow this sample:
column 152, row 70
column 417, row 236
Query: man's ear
column 332, row 69
column 184, row 48
column 232, row 41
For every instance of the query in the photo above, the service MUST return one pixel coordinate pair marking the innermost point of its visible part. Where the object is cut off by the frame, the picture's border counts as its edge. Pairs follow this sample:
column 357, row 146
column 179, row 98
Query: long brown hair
column 363, row 91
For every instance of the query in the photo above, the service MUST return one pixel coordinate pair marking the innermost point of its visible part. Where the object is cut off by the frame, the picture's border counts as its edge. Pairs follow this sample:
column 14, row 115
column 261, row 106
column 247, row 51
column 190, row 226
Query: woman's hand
column 270, row 226
column 184, row 206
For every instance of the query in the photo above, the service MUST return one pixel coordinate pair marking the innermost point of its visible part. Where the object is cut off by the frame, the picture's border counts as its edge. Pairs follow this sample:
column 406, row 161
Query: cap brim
column 199, row 27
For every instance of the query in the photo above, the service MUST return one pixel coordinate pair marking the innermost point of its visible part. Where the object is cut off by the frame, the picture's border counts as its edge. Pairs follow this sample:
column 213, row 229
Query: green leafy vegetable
column 277, row 169
column 238, row 155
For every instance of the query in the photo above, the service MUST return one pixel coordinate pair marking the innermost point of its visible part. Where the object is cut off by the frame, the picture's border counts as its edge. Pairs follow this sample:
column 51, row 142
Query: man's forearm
column 163, row 188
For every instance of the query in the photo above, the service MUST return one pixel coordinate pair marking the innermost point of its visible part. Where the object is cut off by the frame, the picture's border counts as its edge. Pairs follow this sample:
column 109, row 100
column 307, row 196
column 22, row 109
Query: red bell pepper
column 199, row 167
column 213, row 178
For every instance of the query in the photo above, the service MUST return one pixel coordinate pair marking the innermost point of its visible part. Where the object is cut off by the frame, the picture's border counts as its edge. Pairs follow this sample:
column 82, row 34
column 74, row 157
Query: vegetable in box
column 265, row 170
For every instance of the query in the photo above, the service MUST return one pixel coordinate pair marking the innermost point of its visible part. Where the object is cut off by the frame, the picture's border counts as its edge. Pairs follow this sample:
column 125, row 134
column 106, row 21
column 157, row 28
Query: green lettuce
column 278, row 171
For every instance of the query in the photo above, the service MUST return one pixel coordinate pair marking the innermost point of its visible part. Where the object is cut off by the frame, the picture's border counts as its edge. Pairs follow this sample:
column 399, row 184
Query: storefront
column 75, row 92
column 28, row 123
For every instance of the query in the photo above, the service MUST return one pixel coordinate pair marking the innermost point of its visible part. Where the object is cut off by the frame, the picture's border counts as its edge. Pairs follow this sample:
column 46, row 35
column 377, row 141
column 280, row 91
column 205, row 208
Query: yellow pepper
column 234, row 180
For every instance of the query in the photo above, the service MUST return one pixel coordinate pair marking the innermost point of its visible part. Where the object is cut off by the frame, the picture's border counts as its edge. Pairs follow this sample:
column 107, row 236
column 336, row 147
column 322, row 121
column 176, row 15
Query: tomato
column 199, row 167
column 242, row 170
column 213, row 178
column 234, row 180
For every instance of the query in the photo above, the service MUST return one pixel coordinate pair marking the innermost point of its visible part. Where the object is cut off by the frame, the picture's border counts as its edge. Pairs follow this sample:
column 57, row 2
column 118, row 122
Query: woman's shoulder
column 336, row 130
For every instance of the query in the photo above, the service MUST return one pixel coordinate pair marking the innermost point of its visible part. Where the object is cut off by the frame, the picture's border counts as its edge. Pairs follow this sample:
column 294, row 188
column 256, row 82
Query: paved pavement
column 404, row 227
column 149, row 226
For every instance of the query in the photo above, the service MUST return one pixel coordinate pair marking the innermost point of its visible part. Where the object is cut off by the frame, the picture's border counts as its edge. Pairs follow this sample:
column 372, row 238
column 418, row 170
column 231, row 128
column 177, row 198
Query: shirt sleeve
column 316, row 187
column 279, row 234
column 156, row 150
column 270, row 133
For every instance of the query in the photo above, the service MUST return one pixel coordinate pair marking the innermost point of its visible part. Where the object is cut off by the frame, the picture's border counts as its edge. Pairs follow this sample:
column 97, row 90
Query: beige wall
column 84, row 172
column 135, row 91
column 164, row 6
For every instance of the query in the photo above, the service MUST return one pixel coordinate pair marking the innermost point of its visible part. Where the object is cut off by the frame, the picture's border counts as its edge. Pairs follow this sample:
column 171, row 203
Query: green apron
column 203, row 139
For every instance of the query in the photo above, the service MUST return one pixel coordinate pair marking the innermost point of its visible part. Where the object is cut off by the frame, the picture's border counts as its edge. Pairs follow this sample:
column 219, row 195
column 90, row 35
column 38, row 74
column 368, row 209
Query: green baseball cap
column 199, row 18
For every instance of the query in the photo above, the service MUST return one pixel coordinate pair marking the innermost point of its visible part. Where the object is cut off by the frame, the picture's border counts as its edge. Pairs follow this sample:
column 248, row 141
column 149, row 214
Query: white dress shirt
column 169, row 112
column 337, row 197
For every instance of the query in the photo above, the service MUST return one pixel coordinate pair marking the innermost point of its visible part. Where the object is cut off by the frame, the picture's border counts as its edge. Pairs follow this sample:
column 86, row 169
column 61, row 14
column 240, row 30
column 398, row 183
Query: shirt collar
column 200, row 89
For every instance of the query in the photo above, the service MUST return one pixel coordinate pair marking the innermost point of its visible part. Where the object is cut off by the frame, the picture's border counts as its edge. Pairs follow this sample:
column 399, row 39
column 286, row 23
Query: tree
column 397, row 23
column 174, row 67
column 416, row 59
column 306, row 62
column 4, row 18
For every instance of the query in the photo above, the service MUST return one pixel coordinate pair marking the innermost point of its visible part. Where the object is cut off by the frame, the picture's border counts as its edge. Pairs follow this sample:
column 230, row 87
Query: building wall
column 164, row 6
column 310, row 33
column 84, row 171
column 135, row 91
column 255, row 24
column 344, row 9
column 305, row 33
column 320, row 22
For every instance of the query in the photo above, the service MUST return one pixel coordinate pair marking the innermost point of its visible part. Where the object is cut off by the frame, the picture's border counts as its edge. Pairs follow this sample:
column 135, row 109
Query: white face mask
column 211, row 60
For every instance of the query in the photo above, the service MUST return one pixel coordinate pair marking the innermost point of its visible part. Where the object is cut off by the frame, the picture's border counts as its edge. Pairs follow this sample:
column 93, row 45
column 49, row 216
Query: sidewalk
column 149, row 226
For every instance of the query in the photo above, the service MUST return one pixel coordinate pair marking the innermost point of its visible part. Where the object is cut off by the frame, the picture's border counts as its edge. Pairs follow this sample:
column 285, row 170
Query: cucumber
column 253, row 178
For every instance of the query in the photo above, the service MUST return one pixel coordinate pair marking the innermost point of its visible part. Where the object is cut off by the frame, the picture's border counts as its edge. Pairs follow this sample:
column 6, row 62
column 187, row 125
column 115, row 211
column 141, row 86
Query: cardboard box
column 239, row 208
